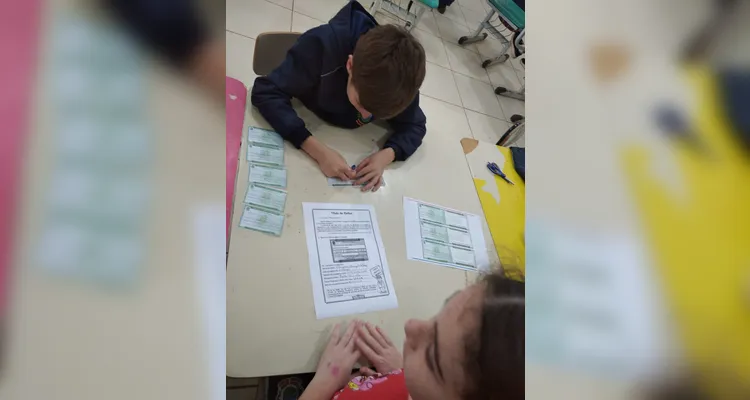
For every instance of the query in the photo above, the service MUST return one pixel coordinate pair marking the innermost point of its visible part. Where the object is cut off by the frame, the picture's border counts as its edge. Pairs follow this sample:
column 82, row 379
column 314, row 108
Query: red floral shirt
column 390, row 386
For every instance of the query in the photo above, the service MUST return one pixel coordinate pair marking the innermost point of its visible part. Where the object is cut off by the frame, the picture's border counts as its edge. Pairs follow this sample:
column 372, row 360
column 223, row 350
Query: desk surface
column 271, row 324
column 70, row 339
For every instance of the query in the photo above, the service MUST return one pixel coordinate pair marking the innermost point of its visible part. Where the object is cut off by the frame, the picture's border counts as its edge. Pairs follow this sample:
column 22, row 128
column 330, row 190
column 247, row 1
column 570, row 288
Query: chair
column 519, row 95
column 270, row 50
column 404, row 14
column 510, row 15
column 515, row 132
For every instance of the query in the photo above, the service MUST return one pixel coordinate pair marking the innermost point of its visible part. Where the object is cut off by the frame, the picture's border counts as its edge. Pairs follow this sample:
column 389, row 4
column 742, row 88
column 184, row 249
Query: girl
column 472, row 349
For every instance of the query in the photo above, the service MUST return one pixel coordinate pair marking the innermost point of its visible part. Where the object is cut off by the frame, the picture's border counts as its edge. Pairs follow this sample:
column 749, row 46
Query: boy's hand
column 329, row 160
column 370, row 170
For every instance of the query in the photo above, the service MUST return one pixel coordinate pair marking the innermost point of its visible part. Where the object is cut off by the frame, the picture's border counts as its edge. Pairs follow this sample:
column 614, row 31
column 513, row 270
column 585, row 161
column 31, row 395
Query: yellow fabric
column 700, row 240
column 506, row 219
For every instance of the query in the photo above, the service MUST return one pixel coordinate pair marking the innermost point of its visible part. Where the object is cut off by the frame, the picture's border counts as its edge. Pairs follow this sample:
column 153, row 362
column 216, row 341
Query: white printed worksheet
column 444, row 236
column 348, row 268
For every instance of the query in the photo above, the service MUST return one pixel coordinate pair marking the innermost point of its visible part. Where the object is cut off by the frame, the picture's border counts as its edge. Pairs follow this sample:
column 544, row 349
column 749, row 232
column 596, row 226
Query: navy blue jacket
column 314, row 71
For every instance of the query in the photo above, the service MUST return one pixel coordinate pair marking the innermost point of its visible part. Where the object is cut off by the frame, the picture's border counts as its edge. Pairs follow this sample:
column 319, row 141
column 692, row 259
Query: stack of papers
column 444, row 236
column 265, row 198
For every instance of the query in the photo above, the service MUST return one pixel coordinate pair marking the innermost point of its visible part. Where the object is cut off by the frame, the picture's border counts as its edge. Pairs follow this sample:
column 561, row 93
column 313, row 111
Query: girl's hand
column 336, row 363
column 378, row 349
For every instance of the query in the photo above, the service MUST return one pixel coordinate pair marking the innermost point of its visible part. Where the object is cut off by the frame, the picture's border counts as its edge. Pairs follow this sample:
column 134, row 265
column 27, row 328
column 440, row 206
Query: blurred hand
column 329, row 160
column 378, row 349
column 370, row 170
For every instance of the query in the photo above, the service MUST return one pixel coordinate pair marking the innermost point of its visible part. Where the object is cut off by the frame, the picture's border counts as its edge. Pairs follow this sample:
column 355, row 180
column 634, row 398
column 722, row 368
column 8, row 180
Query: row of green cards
column 445, row 236
column 265, row 199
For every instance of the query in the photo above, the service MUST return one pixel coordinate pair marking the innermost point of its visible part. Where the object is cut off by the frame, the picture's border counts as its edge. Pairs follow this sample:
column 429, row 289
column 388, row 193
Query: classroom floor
column 454, row 73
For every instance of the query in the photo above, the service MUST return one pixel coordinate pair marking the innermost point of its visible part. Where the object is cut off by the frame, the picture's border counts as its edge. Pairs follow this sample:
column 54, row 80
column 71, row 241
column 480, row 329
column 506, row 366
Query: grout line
column 291, row 18
column 505, row 117
column 461, row 99
column 466, row 115
column 237, row 33
column 459, row 11
column 471, row 77
column 279, row 5
column 309, row 16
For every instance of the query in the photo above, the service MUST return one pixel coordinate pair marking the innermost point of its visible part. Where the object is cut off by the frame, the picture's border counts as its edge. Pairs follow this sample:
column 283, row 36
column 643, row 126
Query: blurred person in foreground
column 177, row 31
column 472, row 349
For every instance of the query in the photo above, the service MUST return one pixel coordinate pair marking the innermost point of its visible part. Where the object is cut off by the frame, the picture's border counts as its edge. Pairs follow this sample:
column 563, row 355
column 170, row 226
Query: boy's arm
column 296, row 76
column 408, row 130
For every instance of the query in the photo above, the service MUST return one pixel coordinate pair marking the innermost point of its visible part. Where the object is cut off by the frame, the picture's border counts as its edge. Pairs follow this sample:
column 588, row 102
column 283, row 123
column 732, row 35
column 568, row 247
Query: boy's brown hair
column 388, row 69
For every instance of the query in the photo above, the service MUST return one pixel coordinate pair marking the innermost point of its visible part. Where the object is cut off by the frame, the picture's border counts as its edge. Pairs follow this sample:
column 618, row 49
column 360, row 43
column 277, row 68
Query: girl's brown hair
column 495, row 354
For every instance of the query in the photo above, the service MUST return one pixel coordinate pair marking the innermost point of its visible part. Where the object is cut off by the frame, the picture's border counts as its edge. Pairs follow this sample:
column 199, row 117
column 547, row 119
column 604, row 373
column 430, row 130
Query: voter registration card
column 260, row 220
column 268, row 175
column 336, row 182
column 264, row 137
column 266, row 197
column 258, row 153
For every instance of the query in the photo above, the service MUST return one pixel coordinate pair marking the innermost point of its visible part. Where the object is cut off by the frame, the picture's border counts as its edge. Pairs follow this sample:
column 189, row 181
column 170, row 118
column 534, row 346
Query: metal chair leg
column 477, row 36
column 519, row 95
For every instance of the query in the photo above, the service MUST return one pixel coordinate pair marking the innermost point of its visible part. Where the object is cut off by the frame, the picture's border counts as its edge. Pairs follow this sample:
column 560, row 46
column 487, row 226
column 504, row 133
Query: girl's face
column 434, row 350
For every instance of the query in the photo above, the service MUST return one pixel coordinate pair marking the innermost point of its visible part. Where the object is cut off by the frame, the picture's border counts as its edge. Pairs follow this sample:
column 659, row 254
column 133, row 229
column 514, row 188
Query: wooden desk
column 271, row 325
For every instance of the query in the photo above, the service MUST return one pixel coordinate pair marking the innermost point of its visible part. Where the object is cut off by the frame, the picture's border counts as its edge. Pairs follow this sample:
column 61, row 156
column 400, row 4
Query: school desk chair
column 409, row 12
column 270, row 50
column 512, row 15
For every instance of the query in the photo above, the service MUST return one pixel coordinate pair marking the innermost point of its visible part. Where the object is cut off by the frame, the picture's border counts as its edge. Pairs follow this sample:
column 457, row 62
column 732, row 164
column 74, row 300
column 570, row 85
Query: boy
column 349, row 72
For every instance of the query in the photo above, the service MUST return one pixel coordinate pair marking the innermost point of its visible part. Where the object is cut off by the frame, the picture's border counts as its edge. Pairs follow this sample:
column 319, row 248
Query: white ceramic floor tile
column 504, row 75
column 240, row 58
column 454, row 14
column 511, row 106
column 302, row 23
column 485, row 128
column 283, row 3
column 491, row 48
column 478, row 96
column 322, row 10
column 439, row 83
column 444, row 119
column 428, row 24
column 433, row 48
column 477, row 5
column 466, row 62
column 520, row 69
column 384, row 19
column 474, row 17
column 252, row 17
column 450, row 31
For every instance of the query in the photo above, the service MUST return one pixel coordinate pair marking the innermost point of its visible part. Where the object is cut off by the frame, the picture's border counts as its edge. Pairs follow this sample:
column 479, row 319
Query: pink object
column 236, row 99
column 18, row 36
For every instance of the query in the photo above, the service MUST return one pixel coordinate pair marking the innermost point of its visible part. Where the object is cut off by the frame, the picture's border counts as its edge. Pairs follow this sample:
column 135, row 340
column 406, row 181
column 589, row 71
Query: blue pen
column 497, row 171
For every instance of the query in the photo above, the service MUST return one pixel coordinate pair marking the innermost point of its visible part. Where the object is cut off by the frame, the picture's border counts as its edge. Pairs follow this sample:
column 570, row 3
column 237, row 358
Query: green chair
column 510, row 15
column 514, row 18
